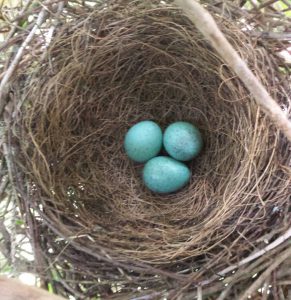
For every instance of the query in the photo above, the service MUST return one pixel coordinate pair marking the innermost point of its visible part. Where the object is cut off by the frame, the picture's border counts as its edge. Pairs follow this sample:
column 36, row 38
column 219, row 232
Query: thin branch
column 13, row 40
column 284, row 282
column 199, row 293
column 148, row 297
column 16, row 23
column 53, row 27
column 279, row 260
column 267, row 3
column 3, row 185
column 225, row 292
column 208, row 27
column 41, row 17
column 252, row 257
column 35, row 10
column 6, row 154
column 281, row 293
column 283, row 36
column 5, row 245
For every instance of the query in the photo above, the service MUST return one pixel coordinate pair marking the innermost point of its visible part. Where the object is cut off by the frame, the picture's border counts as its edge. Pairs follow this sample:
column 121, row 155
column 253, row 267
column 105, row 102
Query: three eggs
column 163, row 174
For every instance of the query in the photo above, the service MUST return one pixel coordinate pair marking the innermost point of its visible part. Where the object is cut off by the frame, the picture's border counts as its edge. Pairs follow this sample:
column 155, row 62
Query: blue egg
column 143, row 141
column 182, row 141
column 163, row 174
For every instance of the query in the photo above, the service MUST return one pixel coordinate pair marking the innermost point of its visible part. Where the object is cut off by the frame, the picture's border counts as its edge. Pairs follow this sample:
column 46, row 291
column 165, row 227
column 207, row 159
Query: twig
column 147, row 297
column 225, row 292
column 285, row 255
column 27, row 13
column 265, row 288
column 283, row 36
column 13, row 239
column 199, row 293
column 5, row 245
column 70, row 289
column 284, row 282
column 252, row 257
column 267, row 3
column 281, row 293
column 10, row 42
column 17, row 58
column 15, row 24
column 3, row 185
column 208, row 27
column 53, row 27
column 9, row 165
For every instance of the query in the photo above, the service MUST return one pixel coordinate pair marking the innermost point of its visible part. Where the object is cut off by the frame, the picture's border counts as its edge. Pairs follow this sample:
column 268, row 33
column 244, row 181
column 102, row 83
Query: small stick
column 252, row 257
column 3, row 185
column 284, row 282
column 208, row 27
column 148, row 297
column 53, row 27
column 225, row 292
column 281, row 36
column 279, row 260
column 267, row 3
column 199, row 293
column 17, row 58
column 14, row 28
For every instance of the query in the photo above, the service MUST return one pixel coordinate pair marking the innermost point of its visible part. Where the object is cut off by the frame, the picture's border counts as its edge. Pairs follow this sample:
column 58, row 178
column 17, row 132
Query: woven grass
column 100, row 231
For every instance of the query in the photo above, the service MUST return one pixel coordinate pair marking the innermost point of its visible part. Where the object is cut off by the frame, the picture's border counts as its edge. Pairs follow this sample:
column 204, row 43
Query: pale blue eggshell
column 143, row 141
column 163, row 174
column 182, row 141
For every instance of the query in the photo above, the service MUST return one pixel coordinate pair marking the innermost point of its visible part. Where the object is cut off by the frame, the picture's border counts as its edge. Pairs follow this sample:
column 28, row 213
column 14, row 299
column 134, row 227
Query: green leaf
column 19, row 222
column 6, row 269
column 23, row 23
column 248, row 5
column 35, row 4
column 50, row 288
column 55, row 275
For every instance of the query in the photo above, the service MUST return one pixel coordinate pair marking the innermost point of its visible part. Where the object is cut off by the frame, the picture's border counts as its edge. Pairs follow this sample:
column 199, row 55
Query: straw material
column 106, row 70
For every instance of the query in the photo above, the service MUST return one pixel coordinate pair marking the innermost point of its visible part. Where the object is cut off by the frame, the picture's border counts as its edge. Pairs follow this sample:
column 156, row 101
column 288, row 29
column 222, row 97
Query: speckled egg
column 182, row 141
column 143, row 141
column 163, row 174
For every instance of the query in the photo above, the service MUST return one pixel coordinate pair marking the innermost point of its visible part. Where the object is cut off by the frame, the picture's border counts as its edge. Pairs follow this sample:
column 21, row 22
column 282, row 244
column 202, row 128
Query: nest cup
column 108, row 70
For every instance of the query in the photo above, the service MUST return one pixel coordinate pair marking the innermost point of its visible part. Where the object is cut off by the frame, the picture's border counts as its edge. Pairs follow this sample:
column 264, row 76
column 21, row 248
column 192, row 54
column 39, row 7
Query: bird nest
column 100, row 231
